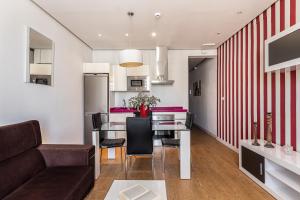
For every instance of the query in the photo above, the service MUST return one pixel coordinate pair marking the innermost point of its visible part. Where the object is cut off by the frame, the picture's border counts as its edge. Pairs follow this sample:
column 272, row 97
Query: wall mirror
column 39, row 58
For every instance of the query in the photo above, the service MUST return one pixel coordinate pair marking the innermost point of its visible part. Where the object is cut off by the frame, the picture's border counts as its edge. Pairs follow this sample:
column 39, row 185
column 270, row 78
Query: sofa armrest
column 56, row 155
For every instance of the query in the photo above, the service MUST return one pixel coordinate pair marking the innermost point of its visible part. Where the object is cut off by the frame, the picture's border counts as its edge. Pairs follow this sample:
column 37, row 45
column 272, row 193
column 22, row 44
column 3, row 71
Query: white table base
column 185, row 154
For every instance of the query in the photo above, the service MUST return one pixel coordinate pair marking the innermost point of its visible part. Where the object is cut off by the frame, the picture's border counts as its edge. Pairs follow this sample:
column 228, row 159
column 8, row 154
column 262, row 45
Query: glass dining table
column 178, row 126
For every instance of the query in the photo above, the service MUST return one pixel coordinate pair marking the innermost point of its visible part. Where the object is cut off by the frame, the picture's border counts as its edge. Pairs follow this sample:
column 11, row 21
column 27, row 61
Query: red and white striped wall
column 246, row 93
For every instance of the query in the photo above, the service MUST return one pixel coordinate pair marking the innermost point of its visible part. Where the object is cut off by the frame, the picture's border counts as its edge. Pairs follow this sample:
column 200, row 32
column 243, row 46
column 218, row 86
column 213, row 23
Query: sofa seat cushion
column 56, row 183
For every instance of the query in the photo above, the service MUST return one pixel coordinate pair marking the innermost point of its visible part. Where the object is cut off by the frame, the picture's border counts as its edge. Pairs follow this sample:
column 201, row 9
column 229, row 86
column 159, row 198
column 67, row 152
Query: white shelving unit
column 282, row 171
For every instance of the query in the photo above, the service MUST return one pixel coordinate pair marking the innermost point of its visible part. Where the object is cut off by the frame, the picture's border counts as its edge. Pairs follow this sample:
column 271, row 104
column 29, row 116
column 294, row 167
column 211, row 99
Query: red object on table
column 143, row 111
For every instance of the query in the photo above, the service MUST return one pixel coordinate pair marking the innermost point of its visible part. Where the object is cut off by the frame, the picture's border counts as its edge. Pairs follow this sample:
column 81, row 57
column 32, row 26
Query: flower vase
column 143, row 111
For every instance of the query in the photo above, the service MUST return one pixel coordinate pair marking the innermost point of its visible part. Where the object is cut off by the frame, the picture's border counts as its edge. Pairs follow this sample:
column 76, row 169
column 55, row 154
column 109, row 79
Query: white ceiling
column 184, row 24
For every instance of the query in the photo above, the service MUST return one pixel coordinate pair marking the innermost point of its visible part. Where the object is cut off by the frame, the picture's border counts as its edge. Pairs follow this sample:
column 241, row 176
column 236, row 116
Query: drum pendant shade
column 131, row 58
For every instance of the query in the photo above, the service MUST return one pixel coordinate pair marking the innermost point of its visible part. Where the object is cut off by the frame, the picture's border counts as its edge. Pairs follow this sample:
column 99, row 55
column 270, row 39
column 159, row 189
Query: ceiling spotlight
column 157, row 15
column 127, row 34
column 218, row 33
column 153, row 34
column 239, row 12
column 100, row 35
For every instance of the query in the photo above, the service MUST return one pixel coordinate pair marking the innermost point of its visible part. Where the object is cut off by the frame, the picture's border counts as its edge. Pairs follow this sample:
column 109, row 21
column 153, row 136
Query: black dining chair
column 175, row 143
column 139, row 139
column 104, row 142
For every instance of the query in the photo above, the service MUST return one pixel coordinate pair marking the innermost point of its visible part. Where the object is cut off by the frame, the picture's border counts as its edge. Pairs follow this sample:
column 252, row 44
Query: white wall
column 174, row 95
column 59, row 108
column 204, row 107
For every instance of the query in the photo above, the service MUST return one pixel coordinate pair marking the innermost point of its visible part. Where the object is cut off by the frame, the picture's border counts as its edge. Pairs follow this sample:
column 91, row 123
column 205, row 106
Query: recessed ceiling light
column 153, row 34
column 239, row 12
column 157, row 14
column 126, row 34
column 209, row 44
column 218, row 33
column 100, row 35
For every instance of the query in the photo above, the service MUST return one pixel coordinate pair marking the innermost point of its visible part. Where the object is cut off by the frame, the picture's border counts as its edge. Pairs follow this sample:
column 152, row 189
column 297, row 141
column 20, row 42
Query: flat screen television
column 283, row 49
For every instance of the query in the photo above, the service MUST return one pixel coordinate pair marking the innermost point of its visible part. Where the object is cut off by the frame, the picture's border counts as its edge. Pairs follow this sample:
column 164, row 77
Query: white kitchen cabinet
column 42, row 56
column 96, row 68
column 41, row 69
column 120, row 117
column 138, row 71
column 37, row 56
column 118, row 78
column 46, row 56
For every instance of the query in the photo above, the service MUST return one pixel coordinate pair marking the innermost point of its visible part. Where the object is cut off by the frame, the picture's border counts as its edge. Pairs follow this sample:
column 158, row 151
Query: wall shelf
column 279, row 189
column 287, row 177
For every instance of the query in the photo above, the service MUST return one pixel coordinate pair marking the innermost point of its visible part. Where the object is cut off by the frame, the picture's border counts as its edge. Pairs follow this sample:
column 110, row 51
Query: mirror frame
column 27, row 52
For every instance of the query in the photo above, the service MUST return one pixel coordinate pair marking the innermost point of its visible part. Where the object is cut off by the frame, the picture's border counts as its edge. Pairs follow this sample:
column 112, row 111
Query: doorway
column 203, row 92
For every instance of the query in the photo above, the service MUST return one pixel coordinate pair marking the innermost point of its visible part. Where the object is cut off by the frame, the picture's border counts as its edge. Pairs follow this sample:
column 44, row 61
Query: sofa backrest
column 19, row 158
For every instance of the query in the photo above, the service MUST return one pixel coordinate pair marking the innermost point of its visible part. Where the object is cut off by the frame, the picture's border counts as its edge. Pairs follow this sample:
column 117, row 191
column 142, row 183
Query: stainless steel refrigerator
column 96, row 99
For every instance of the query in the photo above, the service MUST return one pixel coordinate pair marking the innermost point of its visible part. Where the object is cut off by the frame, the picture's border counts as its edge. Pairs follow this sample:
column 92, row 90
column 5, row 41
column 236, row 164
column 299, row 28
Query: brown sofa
column 35, row 171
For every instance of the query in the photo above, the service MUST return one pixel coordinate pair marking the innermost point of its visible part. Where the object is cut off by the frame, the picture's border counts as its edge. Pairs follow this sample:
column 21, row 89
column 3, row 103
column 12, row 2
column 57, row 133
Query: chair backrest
column 139, row 136
column 189, row 120
column 97, row 122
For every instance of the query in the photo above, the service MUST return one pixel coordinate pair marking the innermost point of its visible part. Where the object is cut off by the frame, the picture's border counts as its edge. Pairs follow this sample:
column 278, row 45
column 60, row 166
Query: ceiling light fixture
column 130, row 57
column 239, row 12
column 157, row 14
column 153, row 34
column 209, row 44
column 100, row 35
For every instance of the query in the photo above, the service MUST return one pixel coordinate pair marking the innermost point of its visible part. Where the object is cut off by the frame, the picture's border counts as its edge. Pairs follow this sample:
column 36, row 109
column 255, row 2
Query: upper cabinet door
column 118, row 78
column 37, row 56
column 138, row 71
column 46, row 56
column 43, row 56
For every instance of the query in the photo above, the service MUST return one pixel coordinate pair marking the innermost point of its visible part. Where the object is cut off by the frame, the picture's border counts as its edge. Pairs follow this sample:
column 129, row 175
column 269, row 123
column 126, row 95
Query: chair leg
column 152, row 165
column 161, row 154
column 101, row 154
column 164, row 156
column 121, row 156
column 126, row 158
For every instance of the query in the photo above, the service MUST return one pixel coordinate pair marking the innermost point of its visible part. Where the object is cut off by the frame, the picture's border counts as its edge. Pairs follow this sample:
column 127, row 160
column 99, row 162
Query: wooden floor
column 215, row 173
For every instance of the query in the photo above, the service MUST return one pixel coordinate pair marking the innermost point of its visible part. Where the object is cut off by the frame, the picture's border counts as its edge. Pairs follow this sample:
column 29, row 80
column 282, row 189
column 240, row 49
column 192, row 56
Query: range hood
column 161, row 67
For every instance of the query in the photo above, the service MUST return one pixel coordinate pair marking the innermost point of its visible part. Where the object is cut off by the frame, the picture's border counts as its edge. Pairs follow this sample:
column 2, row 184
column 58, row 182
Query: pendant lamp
column 131, row 57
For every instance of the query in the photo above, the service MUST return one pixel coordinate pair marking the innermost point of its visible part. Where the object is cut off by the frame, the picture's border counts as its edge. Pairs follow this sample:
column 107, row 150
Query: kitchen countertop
column 153, row 109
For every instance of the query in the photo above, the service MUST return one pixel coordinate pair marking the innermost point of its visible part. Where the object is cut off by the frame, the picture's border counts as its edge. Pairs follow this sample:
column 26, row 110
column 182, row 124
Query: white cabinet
column 119, row 117
column 138, row 71
column 37, row 56
column 42, row 56
column 46, row 56
column 96, row 68
column 41, row 69
column 280, row 170
column 118, row 78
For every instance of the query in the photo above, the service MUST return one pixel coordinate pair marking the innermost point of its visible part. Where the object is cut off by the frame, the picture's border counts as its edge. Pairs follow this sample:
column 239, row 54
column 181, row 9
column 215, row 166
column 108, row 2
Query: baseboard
column 204, row 130
column 228, row 145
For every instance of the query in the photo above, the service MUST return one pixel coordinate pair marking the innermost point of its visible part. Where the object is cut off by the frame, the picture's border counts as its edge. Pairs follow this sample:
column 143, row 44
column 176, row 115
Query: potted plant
column 142, row 102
